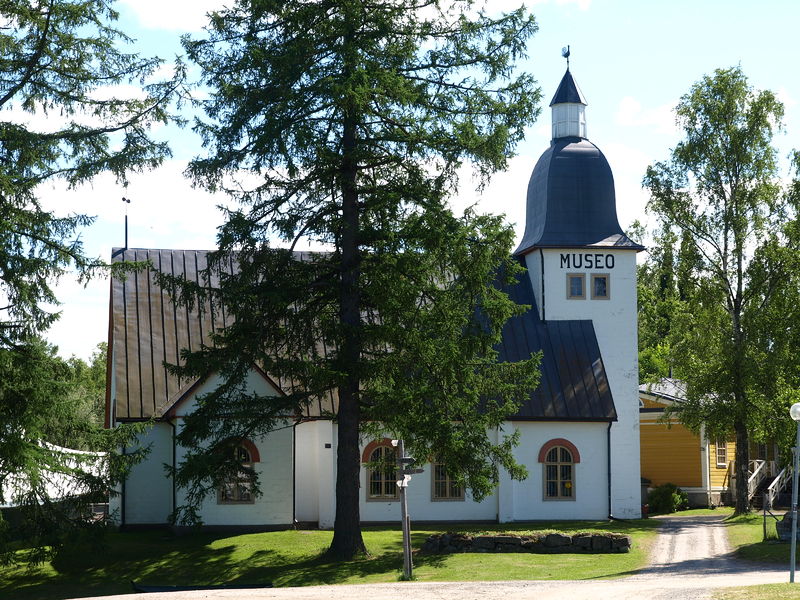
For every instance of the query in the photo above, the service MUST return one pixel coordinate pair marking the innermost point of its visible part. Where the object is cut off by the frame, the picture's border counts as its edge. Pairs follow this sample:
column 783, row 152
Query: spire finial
column 565, row 54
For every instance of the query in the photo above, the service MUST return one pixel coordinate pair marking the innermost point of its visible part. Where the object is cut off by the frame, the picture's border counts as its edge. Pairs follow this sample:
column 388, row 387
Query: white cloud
column 630, row 113
column 505, row 194
column 173, row 15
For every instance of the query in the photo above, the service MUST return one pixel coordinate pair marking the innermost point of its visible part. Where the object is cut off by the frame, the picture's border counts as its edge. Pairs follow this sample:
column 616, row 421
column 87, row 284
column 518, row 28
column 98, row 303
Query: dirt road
column 690, row 558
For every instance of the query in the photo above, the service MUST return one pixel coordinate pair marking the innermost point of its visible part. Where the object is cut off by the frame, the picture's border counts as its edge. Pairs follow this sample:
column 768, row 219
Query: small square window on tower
column 576, row 286
column 600, row 287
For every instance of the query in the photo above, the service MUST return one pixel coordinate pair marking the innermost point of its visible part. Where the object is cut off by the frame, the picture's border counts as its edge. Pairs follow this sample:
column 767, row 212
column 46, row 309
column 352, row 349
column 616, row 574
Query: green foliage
column 63, row 115
column 719, row 191
column 57, row 61
column 351, row 121
column 667, row 498
column 43, row 408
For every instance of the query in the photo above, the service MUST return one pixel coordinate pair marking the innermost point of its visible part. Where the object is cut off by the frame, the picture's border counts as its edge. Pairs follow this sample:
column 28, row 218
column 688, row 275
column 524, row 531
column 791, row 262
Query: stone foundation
column 544, row 543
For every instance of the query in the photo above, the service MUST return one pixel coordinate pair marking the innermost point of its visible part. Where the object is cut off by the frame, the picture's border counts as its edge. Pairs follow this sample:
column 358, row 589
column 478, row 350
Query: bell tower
column 582, row 266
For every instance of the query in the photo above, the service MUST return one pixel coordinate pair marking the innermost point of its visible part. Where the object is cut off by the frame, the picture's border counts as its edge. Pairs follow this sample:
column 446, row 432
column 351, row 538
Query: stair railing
column 757, row 475
column 777, row 486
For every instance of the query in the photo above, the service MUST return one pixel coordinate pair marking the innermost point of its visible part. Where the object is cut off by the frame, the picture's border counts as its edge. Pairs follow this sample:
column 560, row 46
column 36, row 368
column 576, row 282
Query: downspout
column 122, row 501
column 608, row 453
column 294, row 473
column 172, row 472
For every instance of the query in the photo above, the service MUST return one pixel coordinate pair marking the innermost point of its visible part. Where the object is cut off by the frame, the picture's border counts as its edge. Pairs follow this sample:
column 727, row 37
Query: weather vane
column 126, row 201
column 565, row 54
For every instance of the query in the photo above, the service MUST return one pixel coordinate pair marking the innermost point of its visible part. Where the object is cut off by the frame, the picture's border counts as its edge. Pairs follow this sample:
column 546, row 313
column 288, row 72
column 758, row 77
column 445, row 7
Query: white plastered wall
column 148, row 490
column 421, row 506
column 316, row 473
column 524, row 500
column 615, row 324
column 274, row 505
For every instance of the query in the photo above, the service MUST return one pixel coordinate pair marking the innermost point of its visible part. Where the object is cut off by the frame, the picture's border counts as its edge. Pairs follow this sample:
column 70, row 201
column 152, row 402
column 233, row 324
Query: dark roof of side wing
column 573, row 384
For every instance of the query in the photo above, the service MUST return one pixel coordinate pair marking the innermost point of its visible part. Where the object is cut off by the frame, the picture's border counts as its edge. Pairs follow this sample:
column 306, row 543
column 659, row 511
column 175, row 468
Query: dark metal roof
column 573, row 385
column 147, row 330
column 568, row 92
column 571, row 200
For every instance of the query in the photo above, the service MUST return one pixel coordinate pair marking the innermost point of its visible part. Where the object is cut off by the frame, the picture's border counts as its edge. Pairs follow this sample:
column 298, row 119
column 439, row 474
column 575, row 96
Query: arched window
column 381, row 469
column 238, row 489
column 558, row 458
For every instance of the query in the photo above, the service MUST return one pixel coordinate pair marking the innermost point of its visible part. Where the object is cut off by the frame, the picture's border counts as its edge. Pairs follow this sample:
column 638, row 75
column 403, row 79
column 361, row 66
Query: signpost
column 404, row 474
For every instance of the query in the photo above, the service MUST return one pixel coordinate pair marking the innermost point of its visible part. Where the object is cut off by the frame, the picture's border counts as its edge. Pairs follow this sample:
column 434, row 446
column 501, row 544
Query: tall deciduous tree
column 65, row 113
column 720, row 190
column 353, row 119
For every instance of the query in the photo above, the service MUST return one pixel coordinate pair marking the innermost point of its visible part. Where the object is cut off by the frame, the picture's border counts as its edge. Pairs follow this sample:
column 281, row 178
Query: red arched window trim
column 251, row 448
column 576, row 456
column 371, row 447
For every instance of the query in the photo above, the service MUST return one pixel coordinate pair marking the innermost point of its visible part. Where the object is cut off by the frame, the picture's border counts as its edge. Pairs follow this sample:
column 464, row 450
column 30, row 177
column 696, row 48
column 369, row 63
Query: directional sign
column 401, row 483
column 408, row 472
column 405, row 460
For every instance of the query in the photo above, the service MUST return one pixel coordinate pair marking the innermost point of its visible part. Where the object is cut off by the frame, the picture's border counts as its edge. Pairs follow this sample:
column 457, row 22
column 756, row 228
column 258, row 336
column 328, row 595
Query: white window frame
column 723, row 446
column 561, row 482
column 387, row 477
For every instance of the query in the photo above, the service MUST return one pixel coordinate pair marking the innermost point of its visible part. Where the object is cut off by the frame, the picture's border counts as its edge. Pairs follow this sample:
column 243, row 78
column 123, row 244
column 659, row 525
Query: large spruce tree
column 721, row 191
column 344, row 123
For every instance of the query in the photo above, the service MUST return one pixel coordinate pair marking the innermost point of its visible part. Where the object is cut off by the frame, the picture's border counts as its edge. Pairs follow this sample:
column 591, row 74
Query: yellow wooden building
column 670, row 453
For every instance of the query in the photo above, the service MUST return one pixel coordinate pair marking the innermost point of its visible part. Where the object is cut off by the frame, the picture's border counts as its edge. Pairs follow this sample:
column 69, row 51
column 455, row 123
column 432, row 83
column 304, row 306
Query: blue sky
column 632, row 59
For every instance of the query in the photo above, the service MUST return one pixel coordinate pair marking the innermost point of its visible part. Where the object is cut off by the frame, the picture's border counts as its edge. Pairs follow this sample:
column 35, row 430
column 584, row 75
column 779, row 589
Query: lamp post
column 794, row 411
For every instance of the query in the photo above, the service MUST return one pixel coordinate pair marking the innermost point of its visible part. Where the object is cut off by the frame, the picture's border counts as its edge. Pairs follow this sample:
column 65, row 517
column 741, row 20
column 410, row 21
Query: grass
column 293, row 558
column 746, row 535
column 773, row 591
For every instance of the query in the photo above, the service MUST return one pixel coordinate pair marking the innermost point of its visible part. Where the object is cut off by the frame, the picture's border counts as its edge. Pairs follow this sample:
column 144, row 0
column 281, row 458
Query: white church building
column 579, row 430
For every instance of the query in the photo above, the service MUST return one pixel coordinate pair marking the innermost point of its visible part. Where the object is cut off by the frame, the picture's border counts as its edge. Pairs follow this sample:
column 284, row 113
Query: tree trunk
column 347, row 541
column 742, row 463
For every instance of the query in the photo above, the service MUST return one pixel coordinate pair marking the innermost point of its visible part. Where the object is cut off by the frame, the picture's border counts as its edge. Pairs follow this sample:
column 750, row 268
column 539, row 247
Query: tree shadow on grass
column 144, row 557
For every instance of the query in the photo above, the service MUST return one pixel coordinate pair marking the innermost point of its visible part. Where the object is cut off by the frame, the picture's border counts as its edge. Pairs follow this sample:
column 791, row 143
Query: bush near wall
column 544, row 543
column 667, row 498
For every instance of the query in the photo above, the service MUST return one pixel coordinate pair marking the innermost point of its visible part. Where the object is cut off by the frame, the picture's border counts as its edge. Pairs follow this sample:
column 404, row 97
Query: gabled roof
column 568, row 92
column 573, row 384
column 147, row 329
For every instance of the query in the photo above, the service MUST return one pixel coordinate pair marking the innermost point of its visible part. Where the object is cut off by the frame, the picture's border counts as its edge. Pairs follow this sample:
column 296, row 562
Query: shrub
column 667, row 498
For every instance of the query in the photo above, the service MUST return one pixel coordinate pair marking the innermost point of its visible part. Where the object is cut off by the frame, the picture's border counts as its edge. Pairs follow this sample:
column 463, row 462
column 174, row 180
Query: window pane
column 566, row 455
column 552, row 489
column 566, row 472
column 575, row 286
column 566, row 489
column 552, row 455
column 600, row 286
column 552, row 472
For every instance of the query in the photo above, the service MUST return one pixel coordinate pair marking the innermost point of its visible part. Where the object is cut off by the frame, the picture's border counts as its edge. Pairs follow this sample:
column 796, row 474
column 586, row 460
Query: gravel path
column 690, row 558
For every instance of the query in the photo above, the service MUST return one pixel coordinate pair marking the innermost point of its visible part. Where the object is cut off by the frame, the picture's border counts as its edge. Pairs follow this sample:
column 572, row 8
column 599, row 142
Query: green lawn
column 746, row 535
column 775, row 591
column 291, row 558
